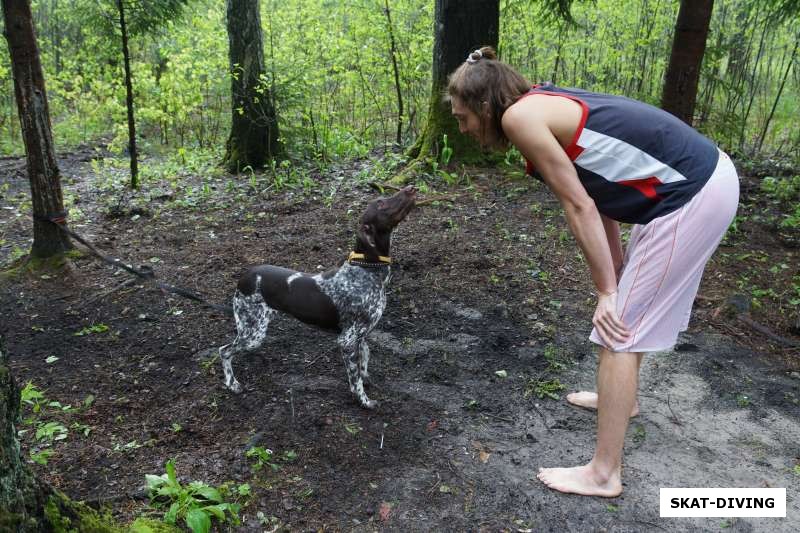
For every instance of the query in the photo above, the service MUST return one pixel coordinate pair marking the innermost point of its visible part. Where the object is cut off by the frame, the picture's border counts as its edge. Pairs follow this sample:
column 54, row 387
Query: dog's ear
column 367, row 234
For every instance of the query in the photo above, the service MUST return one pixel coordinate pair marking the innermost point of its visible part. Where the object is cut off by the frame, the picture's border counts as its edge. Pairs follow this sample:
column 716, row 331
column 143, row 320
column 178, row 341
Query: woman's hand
column 609, row 326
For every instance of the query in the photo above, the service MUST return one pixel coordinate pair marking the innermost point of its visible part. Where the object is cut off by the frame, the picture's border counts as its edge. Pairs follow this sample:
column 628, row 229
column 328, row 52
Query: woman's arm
column 614, row 243
column 531, row 134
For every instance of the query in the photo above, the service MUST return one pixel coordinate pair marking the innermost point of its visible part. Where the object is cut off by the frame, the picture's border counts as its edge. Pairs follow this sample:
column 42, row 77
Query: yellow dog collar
column 360, row 257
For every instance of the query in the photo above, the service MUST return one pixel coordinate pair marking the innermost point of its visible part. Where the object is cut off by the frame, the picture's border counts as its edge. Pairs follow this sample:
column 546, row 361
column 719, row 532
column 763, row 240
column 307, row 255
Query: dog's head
column 374, row 231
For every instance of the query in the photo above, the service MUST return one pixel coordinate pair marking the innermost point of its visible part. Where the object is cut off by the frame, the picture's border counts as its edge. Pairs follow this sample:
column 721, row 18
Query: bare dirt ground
column 488, row 312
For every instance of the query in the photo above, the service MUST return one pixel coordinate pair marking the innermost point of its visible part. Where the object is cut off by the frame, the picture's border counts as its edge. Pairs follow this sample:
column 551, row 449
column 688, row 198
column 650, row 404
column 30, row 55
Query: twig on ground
column 317, row 358
column 101, row 295
column 675, row 420
column 651, row 524
column 544, row 418
column 498, row 417
column 438, row 481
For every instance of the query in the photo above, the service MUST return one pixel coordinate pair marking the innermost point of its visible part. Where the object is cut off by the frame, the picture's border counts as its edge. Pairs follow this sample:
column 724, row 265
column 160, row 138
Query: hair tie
column 476, row 53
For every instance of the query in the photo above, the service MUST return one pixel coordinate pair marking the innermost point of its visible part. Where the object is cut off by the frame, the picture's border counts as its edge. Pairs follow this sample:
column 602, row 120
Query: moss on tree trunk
column 460, row 26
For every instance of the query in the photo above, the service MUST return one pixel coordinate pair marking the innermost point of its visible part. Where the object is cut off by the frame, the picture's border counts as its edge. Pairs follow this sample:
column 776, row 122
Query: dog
column 347, row 300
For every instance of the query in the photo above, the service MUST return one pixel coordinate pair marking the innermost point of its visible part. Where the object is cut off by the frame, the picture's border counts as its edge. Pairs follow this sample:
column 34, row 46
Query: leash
column 145, row 272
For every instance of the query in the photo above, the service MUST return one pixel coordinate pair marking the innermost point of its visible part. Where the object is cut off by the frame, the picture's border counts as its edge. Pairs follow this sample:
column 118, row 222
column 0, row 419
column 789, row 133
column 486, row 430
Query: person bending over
column 609, row 159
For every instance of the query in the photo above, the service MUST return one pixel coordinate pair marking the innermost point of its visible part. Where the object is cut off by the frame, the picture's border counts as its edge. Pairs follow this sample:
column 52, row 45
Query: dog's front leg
column 350, row 341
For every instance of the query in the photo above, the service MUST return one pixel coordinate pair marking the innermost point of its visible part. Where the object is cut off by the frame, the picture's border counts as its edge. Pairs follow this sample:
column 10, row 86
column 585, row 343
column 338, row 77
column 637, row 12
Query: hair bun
column 484, row 52
column 474, row 57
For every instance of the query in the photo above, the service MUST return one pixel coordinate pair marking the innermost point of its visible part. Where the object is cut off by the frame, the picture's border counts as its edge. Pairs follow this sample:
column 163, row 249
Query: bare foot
column 589, row 401
column 580, row 480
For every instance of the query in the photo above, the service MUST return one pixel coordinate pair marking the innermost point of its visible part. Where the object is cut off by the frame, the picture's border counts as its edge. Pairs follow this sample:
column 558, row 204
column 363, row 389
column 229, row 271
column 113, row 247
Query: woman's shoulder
column 539, row 109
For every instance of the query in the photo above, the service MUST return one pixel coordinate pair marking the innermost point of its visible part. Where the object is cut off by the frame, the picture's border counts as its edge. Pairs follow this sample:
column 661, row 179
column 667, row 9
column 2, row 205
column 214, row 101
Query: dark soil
column 486, row 281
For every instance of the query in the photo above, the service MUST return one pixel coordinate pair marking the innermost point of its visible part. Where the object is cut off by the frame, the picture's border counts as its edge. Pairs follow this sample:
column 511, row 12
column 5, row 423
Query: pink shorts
column 664, row 262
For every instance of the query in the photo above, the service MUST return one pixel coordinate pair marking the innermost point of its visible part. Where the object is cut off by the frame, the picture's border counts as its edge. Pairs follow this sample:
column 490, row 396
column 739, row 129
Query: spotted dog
column 348, row 300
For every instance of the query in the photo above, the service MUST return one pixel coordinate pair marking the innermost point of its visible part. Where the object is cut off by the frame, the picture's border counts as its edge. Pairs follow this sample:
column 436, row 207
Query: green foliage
column 544, row 388
column 328, row 69
column 546, row 384
column 786, row 192
column 45, row 432
column 782, row 189
column 195, row 503
column 89, row 330
column 742, row 400
column 31, row 395
column 263, row 457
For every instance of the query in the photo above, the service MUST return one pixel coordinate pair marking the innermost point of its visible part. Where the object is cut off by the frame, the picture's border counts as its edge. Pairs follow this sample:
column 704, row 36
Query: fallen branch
column 432, row 199
column 103, row 294
column 380, row 187
column 764, row 330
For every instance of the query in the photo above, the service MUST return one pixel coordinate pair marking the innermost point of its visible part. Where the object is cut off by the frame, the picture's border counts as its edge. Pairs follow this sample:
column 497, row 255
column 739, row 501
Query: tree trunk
column 19, row 492
column 688, row 46
column 126, row 56
column 393, row 50
column 789, row 65
column 34, row 117
column 254, row 137
column 460, row 26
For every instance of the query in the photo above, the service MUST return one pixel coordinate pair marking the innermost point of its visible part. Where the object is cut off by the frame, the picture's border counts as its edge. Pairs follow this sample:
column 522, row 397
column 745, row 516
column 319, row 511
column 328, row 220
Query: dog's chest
column 358, row 294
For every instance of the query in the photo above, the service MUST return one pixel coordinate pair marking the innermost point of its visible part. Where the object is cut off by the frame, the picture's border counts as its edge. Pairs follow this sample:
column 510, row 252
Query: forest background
column 330, row 76
column 329, row 71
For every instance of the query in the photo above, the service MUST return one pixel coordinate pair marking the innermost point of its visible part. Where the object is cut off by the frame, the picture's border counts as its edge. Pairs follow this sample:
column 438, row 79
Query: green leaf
column 198, row 521
column 172, row 514
column 217, row 510
column 43, row 456
column 169, row 491
column 170, row 466
column 209, row 493
column 153, row 482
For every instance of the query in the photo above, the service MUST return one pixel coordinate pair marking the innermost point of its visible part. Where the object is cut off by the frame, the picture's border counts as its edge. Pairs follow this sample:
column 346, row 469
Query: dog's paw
column 235, row 387
column 370, row 404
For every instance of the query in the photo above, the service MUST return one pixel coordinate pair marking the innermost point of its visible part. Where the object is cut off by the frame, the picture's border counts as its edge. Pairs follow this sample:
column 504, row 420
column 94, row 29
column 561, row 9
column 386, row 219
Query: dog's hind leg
column 226, row 354
column 363, row 362
column 350, row 341
column 252, row 316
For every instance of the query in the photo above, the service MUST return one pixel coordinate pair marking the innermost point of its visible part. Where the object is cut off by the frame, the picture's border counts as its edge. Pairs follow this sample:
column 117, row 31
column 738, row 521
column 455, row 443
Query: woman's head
column 480, row 91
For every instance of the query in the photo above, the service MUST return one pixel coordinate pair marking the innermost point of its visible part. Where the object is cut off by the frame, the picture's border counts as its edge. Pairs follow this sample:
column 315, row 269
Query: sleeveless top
column 637, row 162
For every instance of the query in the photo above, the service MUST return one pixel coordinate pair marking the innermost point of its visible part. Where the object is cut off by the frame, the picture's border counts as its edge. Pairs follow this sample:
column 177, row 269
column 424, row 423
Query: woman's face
column 469, row 123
